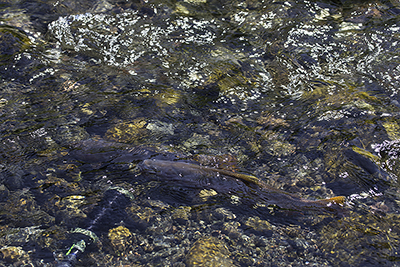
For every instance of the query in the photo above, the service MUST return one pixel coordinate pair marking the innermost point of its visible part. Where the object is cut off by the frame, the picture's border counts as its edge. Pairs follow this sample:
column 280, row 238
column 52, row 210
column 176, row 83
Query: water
column 304, row 95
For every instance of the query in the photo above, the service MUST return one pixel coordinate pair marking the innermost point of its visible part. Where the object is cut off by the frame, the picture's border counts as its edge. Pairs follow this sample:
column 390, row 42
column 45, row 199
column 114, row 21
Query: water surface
column 303, row 95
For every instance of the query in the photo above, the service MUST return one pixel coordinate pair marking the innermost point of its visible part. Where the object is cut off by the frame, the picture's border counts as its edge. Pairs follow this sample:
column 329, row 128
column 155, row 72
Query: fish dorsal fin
column 244, row 177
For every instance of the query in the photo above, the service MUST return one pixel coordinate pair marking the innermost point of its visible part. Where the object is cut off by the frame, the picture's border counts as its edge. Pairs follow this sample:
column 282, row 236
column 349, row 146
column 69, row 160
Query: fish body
column 169, row 167
column 224, row 181
column 180, row 169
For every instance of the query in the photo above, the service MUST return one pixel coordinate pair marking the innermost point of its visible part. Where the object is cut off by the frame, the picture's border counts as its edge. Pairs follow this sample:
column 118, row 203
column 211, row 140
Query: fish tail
column 333, row 200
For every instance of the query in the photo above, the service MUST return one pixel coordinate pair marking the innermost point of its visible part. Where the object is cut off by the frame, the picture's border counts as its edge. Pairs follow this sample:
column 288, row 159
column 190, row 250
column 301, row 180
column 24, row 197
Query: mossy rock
column 128, row 132
column 209, row 252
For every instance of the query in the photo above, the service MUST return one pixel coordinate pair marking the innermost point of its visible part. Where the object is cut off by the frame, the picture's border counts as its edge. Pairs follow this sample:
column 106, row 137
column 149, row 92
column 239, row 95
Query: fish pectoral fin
column 333, row 200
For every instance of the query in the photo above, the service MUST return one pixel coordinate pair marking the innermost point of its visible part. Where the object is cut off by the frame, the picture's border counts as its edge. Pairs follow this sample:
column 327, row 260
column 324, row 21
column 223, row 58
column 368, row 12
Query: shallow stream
column 303, row 95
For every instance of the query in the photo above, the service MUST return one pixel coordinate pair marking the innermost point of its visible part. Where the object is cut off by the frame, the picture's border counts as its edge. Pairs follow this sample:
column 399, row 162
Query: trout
column 224, row 181
column 169, row 167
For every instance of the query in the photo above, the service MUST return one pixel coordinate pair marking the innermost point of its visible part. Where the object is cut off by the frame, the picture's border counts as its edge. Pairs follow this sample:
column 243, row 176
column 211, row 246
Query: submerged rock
column 209, row 252
column 12, row 254
column 121, row 239
column 181, row 214
column 128, row 131
column 258, row 225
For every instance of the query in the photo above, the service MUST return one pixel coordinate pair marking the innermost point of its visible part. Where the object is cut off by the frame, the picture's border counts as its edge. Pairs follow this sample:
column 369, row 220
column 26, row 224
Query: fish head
column 150, row 166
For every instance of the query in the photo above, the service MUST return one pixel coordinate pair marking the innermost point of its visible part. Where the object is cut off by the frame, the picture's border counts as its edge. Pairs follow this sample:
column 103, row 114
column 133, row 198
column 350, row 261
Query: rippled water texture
column 299, row 96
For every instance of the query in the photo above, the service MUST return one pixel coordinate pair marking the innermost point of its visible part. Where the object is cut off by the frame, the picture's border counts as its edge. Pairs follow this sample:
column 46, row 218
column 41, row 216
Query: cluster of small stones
column 182, row 237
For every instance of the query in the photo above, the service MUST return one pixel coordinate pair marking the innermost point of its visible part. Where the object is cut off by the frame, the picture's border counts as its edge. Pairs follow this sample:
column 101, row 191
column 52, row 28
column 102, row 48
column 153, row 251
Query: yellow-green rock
column 209, row 252
column 128, row 132
column 167, row 97
column 12, row 253
column 181, row 213
column 258, row 225
column 392, row 129
column 143, row 215
column 163, row 96
column 120, row 238
column 206, row 193
column 72, row 204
